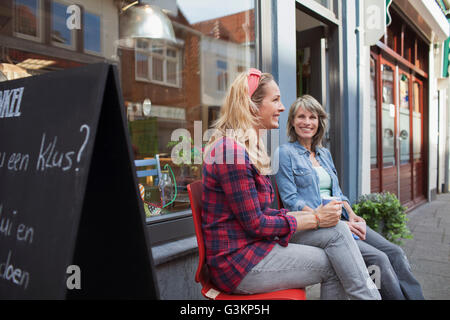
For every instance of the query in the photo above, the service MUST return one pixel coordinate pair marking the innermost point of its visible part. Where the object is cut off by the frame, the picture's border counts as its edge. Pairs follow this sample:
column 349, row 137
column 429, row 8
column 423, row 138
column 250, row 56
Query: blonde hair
column 239, row 119
column 310, row 104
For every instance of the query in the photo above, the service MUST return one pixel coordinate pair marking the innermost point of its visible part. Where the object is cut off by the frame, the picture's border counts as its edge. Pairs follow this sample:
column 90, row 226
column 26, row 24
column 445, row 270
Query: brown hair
column 310, row 104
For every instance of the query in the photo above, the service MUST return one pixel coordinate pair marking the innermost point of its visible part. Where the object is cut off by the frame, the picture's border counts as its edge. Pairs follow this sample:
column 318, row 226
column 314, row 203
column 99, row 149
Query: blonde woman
column 247, row 242
column 307, row 173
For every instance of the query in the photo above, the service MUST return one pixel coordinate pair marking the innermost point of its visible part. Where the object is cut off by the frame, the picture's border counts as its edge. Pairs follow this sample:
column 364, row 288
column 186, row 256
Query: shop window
column 186, row 84
column 167, row 87
column 157, row 62
column 408, row 45
column 417, row 121
column 60, row 34
column 303, row 71
column 92, row 33
column 404, row 127
column 27, row 19
column 388, row 116
column 422, row 55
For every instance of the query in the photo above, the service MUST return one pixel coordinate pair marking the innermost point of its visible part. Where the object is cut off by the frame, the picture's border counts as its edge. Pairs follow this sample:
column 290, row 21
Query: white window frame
column 72, row 46
column 40, row 24
column 148, row 52
column 101, row 35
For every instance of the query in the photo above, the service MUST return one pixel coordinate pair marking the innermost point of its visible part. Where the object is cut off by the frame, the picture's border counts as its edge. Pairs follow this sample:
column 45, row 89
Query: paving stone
column 434, row 287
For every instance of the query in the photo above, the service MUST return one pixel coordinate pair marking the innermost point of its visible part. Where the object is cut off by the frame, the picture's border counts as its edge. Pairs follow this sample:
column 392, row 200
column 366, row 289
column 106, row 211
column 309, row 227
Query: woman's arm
column 286, row 183
column 305, row 220
column 323, row 217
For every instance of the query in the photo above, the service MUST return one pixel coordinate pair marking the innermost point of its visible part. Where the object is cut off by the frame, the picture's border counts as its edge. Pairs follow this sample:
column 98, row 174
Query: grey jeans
column 328, row 256
column 395, row 279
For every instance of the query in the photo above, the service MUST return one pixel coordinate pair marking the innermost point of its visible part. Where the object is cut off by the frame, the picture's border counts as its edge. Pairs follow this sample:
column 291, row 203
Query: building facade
column 407, row 106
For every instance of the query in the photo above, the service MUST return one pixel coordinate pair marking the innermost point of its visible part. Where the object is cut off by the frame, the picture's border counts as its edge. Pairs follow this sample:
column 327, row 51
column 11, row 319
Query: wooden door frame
column 379, row 96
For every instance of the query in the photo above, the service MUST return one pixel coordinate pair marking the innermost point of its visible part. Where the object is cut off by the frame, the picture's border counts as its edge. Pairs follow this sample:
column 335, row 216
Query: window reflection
column 388, row 116
column 404, row 131
column 61, row 35
column 27, row 18
column 417, row 120
column 92, row 39
column 157, row 62
column 166, row 85
column 186, row 83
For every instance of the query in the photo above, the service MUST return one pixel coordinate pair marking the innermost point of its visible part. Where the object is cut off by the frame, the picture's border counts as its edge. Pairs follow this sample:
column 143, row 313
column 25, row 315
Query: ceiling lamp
column 140, row 20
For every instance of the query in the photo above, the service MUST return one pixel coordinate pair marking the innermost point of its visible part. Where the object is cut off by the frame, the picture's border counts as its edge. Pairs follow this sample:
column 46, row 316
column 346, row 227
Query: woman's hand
column 330, row 214
column 357, row 226
column 356, row 223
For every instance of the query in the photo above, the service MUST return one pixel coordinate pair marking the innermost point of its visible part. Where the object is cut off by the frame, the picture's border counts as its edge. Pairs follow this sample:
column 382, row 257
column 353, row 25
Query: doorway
column 397, row 119
column 318, row 46
column 311, row 57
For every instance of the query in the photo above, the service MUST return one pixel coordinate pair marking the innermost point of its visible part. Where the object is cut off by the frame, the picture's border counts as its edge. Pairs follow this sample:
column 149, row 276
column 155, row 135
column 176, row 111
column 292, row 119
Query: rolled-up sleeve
column 286, row 183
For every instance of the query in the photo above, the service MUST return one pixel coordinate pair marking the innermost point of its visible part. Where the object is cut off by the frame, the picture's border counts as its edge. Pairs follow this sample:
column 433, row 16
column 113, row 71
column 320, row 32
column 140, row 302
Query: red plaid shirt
column 239, row 227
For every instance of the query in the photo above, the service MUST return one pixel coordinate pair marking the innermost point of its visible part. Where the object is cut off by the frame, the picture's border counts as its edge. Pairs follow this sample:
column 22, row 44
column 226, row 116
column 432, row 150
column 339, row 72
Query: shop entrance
column 311, row 57
column 397, row 115
column 318, row 71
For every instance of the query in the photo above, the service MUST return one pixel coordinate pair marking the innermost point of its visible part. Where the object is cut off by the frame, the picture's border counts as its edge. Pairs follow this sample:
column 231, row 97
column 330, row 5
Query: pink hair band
column 253, row 80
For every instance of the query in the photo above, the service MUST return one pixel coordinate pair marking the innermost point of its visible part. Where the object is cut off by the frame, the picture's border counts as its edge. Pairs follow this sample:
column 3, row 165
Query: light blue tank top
column 325, row 183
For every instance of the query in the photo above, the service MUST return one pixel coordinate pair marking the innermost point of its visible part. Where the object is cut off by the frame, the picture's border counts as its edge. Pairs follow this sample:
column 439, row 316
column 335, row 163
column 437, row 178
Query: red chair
column 208, row 289
column 280, row 202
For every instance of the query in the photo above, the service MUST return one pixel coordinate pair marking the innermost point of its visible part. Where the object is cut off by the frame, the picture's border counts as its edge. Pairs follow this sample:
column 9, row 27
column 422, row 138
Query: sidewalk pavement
column 428, row 252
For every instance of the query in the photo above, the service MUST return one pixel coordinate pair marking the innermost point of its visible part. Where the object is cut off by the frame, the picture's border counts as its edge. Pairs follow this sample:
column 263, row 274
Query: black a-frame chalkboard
column 71, row 224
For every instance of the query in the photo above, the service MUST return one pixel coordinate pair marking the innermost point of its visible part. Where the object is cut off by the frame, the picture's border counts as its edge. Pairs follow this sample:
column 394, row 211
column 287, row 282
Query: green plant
column 384, row 213
column 194, row 152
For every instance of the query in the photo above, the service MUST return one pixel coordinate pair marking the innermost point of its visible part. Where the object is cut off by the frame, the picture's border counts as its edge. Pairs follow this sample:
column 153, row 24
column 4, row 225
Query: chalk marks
column 53, row 154
column 21, row 233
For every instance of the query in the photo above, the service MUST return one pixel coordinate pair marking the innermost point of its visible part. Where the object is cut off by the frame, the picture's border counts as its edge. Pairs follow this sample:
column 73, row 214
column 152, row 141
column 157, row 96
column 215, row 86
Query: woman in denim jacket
column 307, row 174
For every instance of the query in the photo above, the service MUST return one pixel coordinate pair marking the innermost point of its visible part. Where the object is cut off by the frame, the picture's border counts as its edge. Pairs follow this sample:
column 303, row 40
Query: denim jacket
column 298, row 182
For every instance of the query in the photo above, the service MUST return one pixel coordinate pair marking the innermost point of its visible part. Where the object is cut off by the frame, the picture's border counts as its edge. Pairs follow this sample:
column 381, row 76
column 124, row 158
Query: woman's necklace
column 313, row 160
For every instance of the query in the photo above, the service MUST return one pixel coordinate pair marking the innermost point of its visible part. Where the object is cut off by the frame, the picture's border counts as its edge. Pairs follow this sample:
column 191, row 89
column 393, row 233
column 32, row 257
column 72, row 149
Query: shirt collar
column 303, row 150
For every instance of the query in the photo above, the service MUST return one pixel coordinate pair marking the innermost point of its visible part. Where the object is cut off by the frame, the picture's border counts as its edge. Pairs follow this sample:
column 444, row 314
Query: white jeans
column 328, row 256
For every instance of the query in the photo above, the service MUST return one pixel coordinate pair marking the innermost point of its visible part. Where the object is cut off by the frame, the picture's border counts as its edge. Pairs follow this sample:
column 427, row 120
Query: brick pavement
column 429, row 251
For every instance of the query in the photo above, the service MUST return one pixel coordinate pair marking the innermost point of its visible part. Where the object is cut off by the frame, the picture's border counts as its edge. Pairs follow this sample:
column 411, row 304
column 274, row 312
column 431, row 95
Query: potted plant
column 384, row 213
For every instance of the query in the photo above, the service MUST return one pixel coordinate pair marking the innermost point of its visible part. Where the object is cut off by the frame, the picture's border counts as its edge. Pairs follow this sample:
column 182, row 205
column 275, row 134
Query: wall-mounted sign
column 374, row 21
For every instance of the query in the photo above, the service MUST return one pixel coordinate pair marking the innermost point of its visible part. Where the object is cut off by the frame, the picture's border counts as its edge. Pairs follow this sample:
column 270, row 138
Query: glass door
column 404, row 137
column 417, row 140
column 388, row 128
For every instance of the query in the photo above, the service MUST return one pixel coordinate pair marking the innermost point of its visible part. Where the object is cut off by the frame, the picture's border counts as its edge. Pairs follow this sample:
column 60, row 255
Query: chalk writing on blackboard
column 50, row 154
column 10, row 101
column 11, row 228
